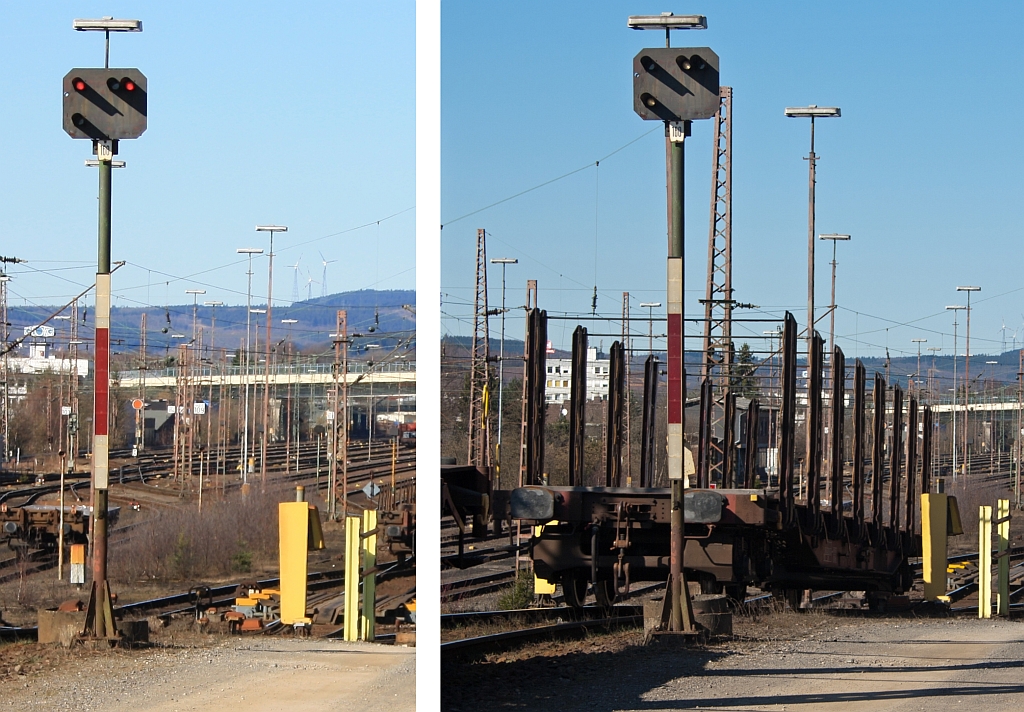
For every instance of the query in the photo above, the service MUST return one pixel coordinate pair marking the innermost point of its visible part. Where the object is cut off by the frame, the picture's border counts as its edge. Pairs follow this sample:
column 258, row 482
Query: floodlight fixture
column 289, row 321
column 213, row 304
column 833, row 236
column 919, row 341
column 271, row 228
column 107, row 24
column 250, row 250
column 257, row 311
column 92, row 163
column 195, row 291
column 668, row 21
column 504, row 261
column 968, row 289
column 955, row 306
column 177, row 336
column 813, row 111
column 649, row 305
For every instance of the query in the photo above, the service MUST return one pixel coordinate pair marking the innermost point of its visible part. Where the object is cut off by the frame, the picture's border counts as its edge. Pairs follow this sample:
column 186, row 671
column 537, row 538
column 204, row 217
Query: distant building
column 38, row 361
column 559, row 377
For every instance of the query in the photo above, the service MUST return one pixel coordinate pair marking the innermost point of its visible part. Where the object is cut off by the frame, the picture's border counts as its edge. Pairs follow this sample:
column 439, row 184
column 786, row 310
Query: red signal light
column 128, row 85
column 78, row 84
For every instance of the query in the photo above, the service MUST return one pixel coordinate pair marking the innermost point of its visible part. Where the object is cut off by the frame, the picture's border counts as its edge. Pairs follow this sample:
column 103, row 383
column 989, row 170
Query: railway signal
column 105, row 104
column 675, row 84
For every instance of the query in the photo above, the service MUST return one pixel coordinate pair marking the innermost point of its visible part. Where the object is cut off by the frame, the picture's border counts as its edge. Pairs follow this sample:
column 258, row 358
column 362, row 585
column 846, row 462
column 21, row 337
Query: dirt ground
column 781, row 661
column 211, row 673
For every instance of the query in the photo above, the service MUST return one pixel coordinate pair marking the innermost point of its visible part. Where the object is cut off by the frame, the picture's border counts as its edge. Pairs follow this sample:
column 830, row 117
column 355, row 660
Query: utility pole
column 5, row 430
column 340, row 371
column 288, row 424
column 479, row 450
column 627, row 345
column 917, row 376
column 5, row 326
column 1020, row 427
column 504, row 262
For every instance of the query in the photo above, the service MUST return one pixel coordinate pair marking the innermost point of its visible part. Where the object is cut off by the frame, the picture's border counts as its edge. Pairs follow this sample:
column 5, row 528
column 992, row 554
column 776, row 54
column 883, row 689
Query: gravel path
column 255, row 676
column 820, row 663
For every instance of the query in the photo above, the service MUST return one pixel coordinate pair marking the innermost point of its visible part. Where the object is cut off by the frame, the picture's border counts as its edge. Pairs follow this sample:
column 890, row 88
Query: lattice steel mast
column 718, row 302
column 479, row 436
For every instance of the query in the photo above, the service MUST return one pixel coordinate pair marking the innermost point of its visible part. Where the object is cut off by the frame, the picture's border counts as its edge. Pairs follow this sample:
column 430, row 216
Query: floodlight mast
column 966, row 462
column 811, row 112
column 266, row 345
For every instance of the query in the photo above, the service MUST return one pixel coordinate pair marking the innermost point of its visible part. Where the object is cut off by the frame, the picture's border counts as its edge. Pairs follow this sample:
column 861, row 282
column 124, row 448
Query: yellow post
column 369, row 617
column 1003, row 533
column 541, row 586
column 293, row 534
column 933, row 543
column 351, row 578
column 985, row 562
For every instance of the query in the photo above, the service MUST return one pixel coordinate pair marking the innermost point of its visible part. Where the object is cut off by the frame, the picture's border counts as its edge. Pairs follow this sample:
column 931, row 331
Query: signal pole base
column 99, row 616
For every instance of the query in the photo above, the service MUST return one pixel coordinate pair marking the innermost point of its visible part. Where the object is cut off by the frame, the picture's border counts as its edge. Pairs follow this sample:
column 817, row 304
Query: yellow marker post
column 293, row 525
column 985, row 562
column 299, row 531
column 933, row 544
column 1003, row 533
column 542, row 587
column 369, row 617
column 352, row 555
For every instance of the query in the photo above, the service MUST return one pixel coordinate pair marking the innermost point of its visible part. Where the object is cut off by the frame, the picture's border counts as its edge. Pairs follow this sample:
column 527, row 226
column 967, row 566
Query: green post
column 1003, row 532
column 369, row 577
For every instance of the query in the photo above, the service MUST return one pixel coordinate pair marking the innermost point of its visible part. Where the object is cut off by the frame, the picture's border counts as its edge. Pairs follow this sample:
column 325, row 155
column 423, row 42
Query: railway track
column 223, row 596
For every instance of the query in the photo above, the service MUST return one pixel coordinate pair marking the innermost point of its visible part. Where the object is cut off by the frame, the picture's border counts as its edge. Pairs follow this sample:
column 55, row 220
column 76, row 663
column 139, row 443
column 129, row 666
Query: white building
column 560, row 375
column 38, row 361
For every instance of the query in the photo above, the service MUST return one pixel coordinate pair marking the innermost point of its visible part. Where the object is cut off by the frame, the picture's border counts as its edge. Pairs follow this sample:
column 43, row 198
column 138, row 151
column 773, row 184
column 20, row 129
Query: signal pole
column 89, row 96
column 675, row 86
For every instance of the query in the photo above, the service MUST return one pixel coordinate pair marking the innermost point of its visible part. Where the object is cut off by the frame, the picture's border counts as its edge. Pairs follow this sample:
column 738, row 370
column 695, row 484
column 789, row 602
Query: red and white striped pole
column 681, row 612
column 99, row 618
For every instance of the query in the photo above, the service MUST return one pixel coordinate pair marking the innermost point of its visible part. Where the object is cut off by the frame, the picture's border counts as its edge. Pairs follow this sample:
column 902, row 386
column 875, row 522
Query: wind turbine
column 323, row 282
column 295, row 279
column 309, row 286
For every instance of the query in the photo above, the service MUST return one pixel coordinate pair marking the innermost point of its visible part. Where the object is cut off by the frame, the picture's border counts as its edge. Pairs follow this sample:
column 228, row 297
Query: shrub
column 519, row 594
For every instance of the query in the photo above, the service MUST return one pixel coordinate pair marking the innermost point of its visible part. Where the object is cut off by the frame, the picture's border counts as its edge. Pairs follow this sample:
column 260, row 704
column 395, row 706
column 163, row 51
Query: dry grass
column 231, row 537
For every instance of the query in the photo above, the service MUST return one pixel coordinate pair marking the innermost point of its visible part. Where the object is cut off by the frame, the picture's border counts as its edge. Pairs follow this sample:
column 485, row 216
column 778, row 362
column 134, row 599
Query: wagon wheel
column 574, row 588
column 604, row 592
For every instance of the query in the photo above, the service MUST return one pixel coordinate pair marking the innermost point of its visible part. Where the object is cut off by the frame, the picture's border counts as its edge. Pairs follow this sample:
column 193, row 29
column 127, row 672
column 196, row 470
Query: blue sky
column 922, row 169
column 294, row 114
